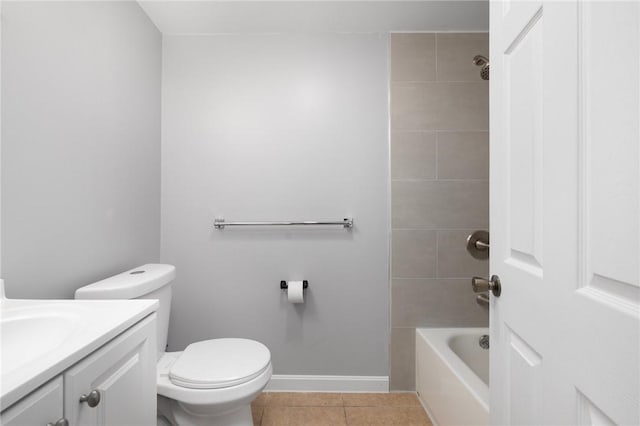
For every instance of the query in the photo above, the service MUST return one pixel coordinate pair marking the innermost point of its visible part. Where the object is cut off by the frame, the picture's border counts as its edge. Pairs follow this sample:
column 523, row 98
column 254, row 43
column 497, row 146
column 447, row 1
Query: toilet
column 211, row 382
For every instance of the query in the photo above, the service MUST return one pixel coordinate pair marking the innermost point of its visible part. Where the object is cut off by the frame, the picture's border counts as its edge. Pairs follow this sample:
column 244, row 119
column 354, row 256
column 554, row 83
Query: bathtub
column 452, row 375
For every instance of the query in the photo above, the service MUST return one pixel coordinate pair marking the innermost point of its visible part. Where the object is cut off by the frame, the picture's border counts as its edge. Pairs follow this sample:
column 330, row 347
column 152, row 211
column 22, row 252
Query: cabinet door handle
column 92, row 400
column 61, row 422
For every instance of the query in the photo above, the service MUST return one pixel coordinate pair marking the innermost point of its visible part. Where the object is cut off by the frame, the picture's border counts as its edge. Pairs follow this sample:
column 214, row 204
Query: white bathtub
column 452, row 375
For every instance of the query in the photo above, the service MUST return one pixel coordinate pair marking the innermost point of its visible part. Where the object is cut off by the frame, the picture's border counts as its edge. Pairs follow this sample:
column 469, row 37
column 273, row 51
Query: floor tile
column 303, row 399
column 261, row 400
column 257, row 412
column 374, row 416
column 307, row 416
column 399, row 399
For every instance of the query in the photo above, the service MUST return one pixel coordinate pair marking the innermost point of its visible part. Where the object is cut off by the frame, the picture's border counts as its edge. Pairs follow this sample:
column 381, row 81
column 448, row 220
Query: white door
column 565, row 212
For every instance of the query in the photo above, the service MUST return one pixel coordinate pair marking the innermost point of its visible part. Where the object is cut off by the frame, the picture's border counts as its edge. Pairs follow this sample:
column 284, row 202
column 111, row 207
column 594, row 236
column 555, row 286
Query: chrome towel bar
column 345, row 223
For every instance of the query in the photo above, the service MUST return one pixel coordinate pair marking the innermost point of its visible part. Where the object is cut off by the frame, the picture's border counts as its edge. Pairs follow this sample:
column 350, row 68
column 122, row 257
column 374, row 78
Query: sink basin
column 29, row 333
column 40, row 339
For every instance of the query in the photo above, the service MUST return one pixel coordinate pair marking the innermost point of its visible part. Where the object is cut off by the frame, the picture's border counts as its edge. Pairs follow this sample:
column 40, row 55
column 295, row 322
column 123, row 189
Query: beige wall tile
column 455, row 55
column 435, row 303
column 370, row 416
column 453, row 259
column 402, row 357
column 440, row 205
column 308, row 416
column 413, row 57
column 413, row 253
column 440, row 106
column 454, row 201
column 409, row 107
column 413, row 155
column 463, row 155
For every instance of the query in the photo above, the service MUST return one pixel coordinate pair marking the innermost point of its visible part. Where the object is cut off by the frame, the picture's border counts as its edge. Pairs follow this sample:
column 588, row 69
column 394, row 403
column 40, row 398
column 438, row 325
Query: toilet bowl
column 213, row 379
column 211, row 382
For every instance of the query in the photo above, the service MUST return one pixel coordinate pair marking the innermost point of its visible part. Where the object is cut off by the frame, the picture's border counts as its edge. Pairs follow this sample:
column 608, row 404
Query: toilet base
column 177, row 416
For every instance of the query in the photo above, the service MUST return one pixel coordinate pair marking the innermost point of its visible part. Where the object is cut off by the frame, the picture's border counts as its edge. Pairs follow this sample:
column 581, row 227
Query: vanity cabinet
column 115, row 385
column 122, row 374
column 40, row 407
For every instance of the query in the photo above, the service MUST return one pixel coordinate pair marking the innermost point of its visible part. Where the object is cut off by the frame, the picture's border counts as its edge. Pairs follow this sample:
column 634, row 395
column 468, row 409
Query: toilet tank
column 151, row 281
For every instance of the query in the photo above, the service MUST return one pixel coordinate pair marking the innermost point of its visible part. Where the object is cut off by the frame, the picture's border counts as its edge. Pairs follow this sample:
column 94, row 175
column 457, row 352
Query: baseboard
column 296, row 383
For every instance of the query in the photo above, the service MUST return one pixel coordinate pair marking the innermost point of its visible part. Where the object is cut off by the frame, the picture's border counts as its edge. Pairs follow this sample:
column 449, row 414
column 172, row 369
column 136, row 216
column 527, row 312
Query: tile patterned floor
column 336, row 409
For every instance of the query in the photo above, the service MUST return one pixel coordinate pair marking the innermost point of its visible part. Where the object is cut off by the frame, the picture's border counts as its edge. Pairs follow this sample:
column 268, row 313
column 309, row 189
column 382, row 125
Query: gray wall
column 439, row 187
column 279, row 127
column 80, row 144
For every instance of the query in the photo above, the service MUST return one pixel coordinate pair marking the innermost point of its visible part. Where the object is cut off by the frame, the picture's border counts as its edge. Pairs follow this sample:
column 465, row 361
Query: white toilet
column 211, row 382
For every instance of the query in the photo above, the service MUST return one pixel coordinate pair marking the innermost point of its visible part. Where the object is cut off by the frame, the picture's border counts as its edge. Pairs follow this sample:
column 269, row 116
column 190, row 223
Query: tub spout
column 483, row 300
column 484, row 341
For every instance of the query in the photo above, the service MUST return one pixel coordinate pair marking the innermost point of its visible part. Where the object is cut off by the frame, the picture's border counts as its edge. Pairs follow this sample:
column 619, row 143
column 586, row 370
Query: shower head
column 483, row 62
column 480, row 60
column 484, row 72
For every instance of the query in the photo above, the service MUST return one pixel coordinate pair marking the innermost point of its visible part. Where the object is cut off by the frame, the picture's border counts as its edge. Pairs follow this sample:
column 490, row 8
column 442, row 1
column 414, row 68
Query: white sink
column 31, row 332
column 39, row 339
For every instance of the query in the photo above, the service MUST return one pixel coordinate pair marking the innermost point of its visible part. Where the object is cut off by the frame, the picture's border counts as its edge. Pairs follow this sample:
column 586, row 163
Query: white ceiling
column 265, row 16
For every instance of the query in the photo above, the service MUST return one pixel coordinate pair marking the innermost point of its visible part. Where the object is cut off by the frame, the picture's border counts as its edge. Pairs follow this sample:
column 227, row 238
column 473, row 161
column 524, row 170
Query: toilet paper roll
column 295, row 292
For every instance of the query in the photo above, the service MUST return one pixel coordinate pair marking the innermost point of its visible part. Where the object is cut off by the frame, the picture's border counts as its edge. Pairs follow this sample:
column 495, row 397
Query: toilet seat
column 219, row 363
column 222, row 395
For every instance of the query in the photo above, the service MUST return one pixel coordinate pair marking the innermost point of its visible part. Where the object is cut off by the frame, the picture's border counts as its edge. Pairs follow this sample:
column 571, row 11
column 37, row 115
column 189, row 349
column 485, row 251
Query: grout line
column 437, row 160
column 401, row 130
column 437, row 256
column 430, row 278
column 440, row 131
column 435, row 49
column 436, row 132
column 437, row 229
column 407, row 83
column 437, row 180
column 438, row 81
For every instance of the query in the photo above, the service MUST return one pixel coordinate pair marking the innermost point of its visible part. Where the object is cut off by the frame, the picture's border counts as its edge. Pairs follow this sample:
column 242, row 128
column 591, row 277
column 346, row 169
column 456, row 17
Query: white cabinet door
column 123, row 372
column 565, row 212
column 40, row 407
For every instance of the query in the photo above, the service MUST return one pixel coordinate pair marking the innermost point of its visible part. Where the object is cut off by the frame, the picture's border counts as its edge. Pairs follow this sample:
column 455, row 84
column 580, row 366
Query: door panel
column 523, row 101
column 565, row 212
column 606, row 302
column 610, row 144
column 525, row 372
column 589, row 414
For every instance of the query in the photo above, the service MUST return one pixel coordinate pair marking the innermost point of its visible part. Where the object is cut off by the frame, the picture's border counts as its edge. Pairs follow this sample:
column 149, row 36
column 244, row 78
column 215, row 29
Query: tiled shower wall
column 439, row 187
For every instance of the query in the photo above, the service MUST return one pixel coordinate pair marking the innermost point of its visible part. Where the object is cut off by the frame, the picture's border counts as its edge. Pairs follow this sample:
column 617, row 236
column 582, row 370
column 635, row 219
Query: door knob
column 481, row 285
column 92, row 400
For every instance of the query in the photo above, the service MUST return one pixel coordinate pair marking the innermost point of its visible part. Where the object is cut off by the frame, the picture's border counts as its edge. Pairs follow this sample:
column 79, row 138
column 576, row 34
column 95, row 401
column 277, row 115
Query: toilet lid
column 219, row 363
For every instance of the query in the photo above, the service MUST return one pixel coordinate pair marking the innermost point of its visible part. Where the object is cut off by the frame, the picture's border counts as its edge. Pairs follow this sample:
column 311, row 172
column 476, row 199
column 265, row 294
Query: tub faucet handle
column 481, row 285
column 478, row 245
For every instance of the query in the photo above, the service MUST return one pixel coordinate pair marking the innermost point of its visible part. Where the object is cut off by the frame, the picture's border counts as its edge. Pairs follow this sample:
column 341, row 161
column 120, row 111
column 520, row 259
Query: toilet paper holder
column 284, row 285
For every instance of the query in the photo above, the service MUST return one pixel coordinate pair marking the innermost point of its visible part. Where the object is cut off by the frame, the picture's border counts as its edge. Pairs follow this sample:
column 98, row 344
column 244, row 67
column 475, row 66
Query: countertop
column 39, row 339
